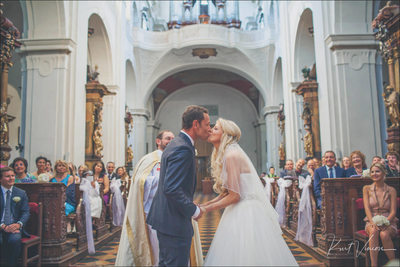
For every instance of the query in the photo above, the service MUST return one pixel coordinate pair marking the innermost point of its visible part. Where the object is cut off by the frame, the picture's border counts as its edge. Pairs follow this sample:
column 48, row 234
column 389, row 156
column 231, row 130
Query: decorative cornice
column 59, row 46
column 351, row 41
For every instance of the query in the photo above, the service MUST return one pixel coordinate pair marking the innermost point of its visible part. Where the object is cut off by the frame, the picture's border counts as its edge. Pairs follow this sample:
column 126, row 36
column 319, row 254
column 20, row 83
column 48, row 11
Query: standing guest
column 72, row 172
column 41, row 166
column 49, row 167
column 288, row 171
column 327, row 171
column 358, row 164
column 110, row 170
column 271, row 173
column 14, row 214
column 380, row 199
column 145, row 184
column 346, row 163
column 311, row 167
column 299, row 169
column 317, row 163
column 376, row 159
column 20, row 166
column 392, row 166
column 62, row 176
column 99, row 175
column 82, row 169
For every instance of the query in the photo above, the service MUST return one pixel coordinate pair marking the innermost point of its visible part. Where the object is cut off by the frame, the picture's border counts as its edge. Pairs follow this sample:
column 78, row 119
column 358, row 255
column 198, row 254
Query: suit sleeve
column 317, row 184
column 178, row 169
column 24, row 209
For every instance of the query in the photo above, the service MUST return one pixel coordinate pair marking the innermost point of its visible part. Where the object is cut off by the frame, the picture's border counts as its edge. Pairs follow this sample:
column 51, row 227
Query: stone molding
column 140, row 113
column 351, row 41
column 49, row 46
column 270, row 110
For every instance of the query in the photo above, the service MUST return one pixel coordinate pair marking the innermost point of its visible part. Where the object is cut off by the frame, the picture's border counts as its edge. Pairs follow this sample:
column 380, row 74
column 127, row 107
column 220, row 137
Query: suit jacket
column 352, row 172
column 172, row 208
column 19, row 210
column 321, row 173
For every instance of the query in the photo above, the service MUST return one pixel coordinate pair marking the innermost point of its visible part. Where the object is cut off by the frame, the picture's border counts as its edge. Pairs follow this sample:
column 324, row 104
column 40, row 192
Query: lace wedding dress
column 248, row 232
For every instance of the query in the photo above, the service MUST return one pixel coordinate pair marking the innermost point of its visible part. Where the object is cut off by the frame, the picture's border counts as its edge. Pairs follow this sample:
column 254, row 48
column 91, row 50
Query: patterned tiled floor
column 105, row 256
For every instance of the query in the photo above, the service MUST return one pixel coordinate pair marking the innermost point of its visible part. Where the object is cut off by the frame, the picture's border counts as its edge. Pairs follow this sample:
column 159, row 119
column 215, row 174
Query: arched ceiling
column 204, row 75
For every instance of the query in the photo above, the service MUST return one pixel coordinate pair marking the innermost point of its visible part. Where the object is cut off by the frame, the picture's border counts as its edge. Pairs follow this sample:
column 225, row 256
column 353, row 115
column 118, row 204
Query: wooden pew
column 99, row 225
column 79, row 220
column 55, row 248
column 334, row 244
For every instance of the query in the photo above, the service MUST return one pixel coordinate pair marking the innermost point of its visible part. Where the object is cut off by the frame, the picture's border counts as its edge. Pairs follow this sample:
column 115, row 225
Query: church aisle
column 105, row 256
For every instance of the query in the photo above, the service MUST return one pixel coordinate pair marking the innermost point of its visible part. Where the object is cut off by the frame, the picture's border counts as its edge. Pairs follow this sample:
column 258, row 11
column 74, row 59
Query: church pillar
column 48, row 94
column 112, row 130
column 260, row 145
column 153, row 128
column 273, row 138
column 353, row 100
column 140, row 117
column 94, row 144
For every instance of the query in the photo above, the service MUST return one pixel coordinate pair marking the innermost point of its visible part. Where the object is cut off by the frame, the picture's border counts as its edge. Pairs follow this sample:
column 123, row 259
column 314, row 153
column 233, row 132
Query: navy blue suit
column 172, row 208
column 11, row 243
column 322, row 173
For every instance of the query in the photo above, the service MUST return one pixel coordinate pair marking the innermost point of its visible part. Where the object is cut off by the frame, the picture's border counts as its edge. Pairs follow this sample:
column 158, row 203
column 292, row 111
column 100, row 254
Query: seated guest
column 317, row 163
column 380, row 199
column 81, row 170
column 263, row 174
column 327, row 171
column 392, row 166
column 346, row 163
column 299, row 169
column 376, row 159
column 122, row 174
column 358, row 164
column 72, row 172
column 93, row 190
column 99, row 175
column 49, row 168
column 311, row 167
column 110, row 170
column 288, row 171
column 62, row 176
column 41, row 166
column 14, row 214
column 20, row 166
column 271, row 173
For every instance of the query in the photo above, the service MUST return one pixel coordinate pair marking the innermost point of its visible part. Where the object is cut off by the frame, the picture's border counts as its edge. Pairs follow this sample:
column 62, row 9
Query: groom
column 172, row 209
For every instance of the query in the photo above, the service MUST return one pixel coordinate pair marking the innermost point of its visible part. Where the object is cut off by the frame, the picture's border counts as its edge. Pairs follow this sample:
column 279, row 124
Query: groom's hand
column 202, row 211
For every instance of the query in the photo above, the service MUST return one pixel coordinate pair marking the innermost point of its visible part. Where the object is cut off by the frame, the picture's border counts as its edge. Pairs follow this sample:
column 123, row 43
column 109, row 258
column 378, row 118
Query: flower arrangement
column 43, row 178
column 16, row 199
column 380, row 220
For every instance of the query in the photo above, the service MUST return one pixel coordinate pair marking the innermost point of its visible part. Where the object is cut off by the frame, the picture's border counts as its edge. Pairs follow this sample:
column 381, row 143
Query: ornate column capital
column 140, row 112
column 269, row 110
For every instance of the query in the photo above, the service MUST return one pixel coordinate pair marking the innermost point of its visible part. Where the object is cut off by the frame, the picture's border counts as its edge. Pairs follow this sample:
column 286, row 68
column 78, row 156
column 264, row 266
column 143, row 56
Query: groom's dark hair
column 191, row 114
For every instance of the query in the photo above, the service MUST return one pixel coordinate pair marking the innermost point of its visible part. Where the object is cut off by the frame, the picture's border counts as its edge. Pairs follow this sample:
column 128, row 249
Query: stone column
column 349, row 108
column 140, row 117
column 153, row 128
column 273, row 137
column 260, row 145
column 49, row 99
column 94, row 118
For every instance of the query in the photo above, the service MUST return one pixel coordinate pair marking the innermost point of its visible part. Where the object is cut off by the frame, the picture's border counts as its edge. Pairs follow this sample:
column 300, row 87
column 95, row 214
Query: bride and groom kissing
column 248, row 232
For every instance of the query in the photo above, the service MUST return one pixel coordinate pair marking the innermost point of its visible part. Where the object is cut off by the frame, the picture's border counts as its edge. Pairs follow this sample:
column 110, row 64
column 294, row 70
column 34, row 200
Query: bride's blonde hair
column 230, row 134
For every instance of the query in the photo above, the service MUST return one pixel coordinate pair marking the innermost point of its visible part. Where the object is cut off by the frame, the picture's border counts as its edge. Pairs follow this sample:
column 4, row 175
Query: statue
column 281, row 120
column 98, row 144
column 306, row 115
column 129, row 154
column 3, row 124
column 282, row 154
column 92, row 76
column 308, row 144
column 392, row 102
column 306, row 73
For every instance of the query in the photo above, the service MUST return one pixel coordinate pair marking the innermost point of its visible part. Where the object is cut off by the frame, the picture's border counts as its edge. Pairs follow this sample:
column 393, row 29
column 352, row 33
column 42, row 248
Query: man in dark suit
column 329, row 170
column 172, row 209
column 14, row 213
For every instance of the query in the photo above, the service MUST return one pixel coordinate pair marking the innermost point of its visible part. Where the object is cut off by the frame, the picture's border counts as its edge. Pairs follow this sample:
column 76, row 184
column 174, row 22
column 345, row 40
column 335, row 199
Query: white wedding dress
column 248, row 233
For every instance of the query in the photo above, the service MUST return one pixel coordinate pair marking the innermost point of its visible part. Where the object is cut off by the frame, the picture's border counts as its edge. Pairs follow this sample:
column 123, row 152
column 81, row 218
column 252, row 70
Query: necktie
column 330, row 173
column 7, row 212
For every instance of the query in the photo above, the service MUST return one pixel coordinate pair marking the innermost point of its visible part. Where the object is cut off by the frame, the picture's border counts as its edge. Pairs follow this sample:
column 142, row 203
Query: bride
column 248, row 232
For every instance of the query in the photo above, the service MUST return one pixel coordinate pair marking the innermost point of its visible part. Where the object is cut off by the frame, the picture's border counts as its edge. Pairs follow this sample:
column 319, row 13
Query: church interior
column 84, row 82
